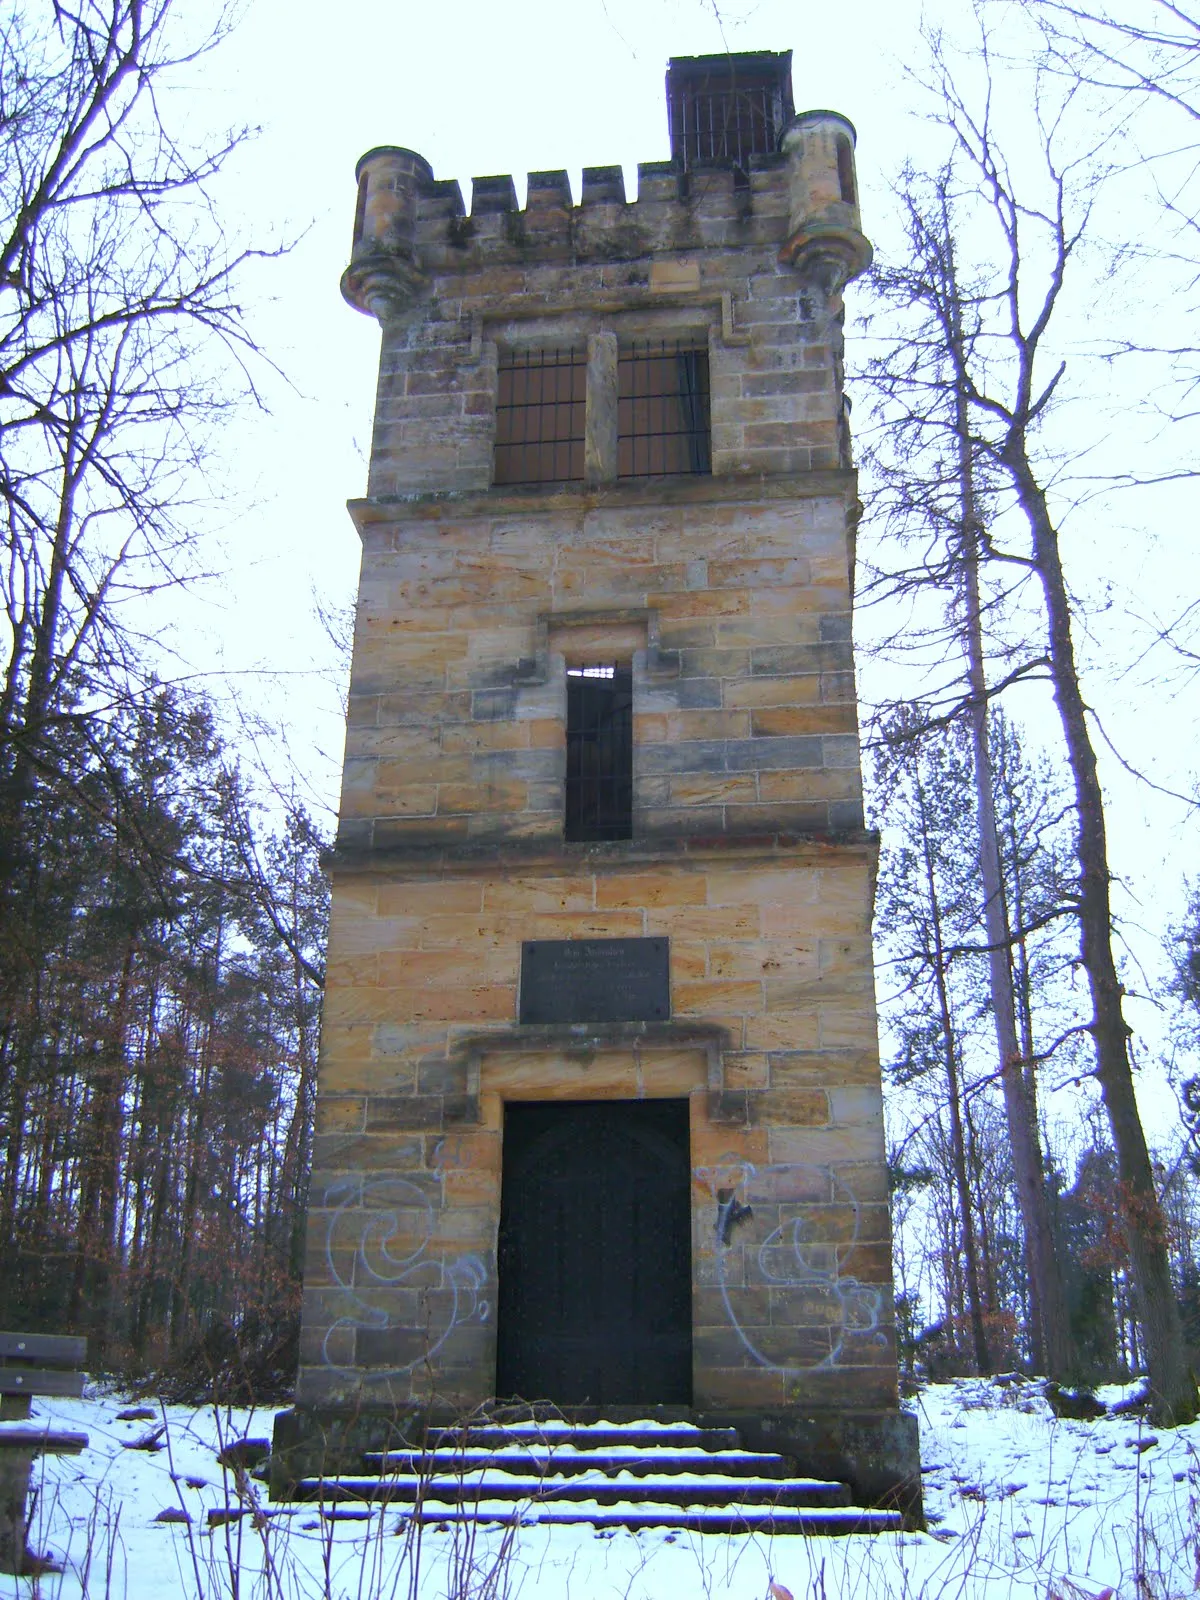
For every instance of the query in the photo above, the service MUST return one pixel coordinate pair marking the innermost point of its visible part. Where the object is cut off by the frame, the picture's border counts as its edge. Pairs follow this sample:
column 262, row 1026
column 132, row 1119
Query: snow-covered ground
column 1019, row 1505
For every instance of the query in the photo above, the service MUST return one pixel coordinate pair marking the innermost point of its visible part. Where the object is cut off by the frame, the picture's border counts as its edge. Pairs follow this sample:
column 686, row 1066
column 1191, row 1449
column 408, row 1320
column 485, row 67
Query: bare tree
column 1003, row 378
column 926, row 912
column 122, row 342
column 929, row 466
column 1148, row 48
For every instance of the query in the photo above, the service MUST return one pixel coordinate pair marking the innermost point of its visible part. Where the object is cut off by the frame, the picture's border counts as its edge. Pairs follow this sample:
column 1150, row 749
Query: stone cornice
column 743, row 489
column 554, row 857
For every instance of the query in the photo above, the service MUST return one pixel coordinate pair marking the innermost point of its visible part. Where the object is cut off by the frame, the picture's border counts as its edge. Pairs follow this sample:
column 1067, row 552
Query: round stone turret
column 384, row 275
column 826, row 244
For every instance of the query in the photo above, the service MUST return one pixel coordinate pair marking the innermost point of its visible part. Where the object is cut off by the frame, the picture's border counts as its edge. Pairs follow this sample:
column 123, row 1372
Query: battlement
column 659, row 182
column 800, row 201
column 707, row 207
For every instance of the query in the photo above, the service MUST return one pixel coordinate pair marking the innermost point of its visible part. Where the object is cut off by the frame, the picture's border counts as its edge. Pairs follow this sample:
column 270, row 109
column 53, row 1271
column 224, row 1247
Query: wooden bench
column 42, row 1364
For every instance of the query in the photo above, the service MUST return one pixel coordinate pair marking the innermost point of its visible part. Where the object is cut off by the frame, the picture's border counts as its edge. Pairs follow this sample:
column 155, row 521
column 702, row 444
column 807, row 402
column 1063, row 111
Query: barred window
column 725, row 109
column 662, row 410
column 599, row 753
column 540, row 416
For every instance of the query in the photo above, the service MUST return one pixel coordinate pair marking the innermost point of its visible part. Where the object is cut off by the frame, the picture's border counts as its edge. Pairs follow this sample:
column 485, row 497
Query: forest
column 162, row 902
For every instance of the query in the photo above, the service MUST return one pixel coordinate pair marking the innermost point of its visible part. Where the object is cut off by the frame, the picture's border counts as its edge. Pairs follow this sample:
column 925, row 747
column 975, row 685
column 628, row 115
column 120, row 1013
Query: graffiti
column 793, row 1255
column 377, row 1237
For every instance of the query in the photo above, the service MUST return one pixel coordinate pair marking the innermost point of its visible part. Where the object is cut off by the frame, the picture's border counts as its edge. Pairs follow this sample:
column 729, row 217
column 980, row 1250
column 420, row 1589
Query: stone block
column 827, row 1147
column 741, row 921
column 762, row 958
column 403, row 1113
column 340, row 1114
column 697, row 755
column 781, row 1031
column 717, row 1146
column 709, row 1311
column 390, row 1347
column 650, row 889
column 844, row 1028
column 538, row 894
column 784, row 692
column 857, row 1103
column 792, row 994
column 712, row 791
column 366, row 1153
column 751, row 1388
column 715, row 996
column 763, row 754
column 775, row 721
column 416, row 897
column 801, row 1108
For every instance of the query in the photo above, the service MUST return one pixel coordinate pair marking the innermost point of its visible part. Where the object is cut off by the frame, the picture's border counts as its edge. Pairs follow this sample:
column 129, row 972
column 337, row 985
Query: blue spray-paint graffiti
column 378, row 1236
column 792, row 1255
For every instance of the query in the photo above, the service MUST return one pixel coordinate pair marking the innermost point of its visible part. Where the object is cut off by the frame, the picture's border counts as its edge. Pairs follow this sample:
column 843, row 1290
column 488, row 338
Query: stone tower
column 600, row 1118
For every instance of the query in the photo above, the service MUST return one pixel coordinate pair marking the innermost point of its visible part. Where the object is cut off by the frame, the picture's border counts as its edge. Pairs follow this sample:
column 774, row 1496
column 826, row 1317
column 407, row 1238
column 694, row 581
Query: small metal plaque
column 595, row 980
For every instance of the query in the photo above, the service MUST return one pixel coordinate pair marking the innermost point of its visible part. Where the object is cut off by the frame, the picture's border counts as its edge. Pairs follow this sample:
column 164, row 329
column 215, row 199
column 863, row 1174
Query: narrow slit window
column 663, row 410
column 845, row 166
column 599, row 753
column 540, row 406
column 360, row 209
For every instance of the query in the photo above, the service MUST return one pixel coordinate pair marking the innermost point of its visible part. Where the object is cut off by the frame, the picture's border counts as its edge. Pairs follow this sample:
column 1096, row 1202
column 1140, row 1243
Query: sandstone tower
column 600, row 1115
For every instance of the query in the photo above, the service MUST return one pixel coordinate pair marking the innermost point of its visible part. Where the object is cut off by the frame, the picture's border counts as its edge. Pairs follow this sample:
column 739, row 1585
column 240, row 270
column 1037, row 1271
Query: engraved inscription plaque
column 595, row 980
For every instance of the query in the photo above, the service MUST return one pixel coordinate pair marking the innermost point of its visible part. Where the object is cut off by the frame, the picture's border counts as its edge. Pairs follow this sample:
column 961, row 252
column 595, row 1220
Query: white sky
column 487, row 88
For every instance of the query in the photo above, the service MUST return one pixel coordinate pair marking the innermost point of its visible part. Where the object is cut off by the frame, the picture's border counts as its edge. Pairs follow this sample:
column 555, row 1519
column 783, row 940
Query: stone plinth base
column 877, row 1453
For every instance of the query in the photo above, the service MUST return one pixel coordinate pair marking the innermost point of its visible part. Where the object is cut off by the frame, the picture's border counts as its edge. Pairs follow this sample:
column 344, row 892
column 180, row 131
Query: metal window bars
column 722, row 110
column 599, row 801
column 663, row 410
column 729, row 125
column 540, row 408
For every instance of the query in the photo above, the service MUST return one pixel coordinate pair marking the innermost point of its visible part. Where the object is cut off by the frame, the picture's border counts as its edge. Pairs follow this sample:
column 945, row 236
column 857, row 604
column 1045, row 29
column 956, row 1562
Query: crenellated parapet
column 798, row 203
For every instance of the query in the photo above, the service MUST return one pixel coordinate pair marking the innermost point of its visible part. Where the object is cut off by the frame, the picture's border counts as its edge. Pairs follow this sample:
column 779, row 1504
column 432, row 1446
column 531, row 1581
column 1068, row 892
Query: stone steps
column 812, row 1522
column 566, row 1461
column 611, row 1476
column 623, row 1489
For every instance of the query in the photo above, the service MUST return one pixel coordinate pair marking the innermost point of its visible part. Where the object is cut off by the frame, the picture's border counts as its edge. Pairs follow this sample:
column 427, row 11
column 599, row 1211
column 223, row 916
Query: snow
column 479, row 1481
column 563, row 1452
column 1021, row 1506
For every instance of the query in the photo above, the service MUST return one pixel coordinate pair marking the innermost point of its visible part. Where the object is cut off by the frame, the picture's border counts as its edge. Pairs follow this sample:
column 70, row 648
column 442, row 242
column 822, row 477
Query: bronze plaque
column 595, row 980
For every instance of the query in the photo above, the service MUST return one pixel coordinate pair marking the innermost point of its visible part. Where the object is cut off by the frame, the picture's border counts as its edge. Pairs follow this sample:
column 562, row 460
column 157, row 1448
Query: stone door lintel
column 464, row 1063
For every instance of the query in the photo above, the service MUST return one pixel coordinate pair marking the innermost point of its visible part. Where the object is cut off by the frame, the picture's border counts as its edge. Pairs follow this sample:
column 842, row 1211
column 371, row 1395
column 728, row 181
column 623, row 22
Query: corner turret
column 825, row 243
column 384, row 275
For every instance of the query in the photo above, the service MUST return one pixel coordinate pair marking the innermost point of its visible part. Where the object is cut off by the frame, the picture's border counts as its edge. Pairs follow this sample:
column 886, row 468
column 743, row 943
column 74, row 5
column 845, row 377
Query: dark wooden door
column 595, row 1253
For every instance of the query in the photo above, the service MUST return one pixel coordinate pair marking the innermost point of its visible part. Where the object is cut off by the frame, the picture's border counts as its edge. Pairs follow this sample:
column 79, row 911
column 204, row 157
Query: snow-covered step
column 815, row 1522
column 679, row 1489
column 566, row 1459
column 590, row 1435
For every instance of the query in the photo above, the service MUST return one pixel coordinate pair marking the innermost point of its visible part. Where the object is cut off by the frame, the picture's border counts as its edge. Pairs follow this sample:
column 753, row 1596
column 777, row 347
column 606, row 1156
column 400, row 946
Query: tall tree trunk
column 1172, row 1385
column 1050, row 1327
column 958, row 1148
